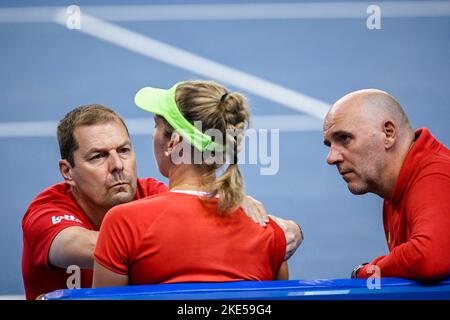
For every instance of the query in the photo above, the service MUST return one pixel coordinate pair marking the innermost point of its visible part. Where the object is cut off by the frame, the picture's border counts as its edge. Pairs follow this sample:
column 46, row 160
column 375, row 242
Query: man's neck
column 394, row 167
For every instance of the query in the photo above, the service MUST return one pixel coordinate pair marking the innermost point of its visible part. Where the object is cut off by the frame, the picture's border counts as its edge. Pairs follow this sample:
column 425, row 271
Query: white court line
column 41, row 129
column 330, row 10
column 12, row 297
column 183, row 59
column 28, row 129
column 28, row 14
column 311, row 10
column 171, row 55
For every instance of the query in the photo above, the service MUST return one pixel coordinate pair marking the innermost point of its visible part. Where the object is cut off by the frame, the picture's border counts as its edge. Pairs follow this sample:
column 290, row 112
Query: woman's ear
column 175, row 139
column 390, row 133
column 174, row 147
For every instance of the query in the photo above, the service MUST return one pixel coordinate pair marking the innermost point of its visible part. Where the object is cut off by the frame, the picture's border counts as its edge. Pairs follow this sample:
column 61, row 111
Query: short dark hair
column 87, row 115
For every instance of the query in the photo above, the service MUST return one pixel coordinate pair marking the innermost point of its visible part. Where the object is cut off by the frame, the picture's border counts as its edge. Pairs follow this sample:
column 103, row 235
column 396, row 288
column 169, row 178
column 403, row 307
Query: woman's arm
column 103, row 277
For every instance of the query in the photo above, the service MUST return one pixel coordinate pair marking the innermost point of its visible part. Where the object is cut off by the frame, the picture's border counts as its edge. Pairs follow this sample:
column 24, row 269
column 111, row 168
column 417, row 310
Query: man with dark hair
column 375, row 150
column 98, row 164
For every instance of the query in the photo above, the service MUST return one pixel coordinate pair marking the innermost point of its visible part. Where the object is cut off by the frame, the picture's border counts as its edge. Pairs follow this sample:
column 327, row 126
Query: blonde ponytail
column 217, row 108
column 230, row 189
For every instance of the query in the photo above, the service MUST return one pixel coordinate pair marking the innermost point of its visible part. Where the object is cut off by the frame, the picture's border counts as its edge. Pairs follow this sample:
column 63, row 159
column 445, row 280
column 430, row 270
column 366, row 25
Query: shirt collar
column 424, row 142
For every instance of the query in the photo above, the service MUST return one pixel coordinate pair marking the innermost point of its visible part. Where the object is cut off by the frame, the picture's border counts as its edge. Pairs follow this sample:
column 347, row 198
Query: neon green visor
column 162, row 103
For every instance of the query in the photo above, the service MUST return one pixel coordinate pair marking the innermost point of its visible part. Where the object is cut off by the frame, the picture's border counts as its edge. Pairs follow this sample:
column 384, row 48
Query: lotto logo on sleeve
column 67, row 217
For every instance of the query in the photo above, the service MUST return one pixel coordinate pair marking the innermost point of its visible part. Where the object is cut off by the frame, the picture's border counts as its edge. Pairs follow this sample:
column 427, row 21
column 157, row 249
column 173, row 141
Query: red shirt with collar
column 49, row 213
column 417, row 217
column 177, row 237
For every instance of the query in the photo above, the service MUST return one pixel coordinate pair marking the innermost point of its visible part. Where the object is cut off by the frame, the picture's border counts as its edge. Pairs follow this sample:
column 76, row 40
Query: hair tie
column 223, row 97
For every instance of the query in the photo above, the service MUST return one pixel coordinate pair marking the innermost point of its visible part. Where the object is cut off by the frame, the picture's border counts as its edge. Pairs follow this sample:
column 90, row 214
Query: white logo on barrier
column 374, row 281
column 74, row 281
column 58, row 219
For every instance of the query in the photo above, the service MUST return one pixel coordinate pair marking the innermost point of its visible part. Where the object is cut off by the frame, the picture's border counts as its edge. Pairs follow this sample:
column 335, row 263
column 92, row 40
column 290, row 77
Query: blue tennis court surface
column 48, row 69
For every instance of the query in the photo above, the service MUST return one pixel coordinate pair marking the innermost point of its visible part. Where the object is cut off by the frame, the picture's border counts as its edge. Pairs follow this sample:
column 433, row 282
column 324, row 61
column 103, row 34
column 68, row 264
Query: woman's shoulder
column 154, row 205
column 147, row 206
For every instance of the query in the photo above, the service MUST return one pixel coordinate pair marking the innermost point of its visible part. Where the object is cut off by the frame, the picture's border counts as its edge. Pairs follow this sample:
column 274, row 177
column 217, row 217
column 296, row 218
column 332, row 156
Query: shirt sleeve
column 279, row 246
column 41, row 227
column 426, row 256
column 116, row 242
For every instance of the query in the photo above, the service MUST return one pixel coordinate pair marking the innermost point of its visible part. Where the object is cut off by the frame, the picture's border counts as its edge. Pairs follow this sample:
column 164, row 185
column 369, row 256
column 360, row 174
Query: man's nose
column 115, row 162
column 334, row 156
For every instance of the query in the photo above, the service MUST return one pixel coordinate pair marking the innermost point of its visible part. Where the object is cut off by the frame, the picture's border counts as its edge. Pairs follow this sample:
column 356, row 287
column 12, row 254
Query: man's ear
column 390, row 133
column 66, row 171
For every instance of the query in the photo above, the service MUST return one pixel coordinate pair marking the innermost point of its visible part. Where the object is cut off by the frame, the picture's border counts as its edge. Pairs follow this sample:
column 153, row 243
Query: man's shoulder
column 55, row 194
column 147, row 187
column 435, row 152
column 431, row 183
column 55, row 199
column 436, row 163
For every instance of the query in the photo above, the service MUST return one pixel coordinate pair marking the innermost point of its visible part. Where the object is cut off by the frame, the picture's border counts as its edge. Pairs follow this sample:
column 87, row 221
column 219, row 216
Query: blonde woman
column 196, row 232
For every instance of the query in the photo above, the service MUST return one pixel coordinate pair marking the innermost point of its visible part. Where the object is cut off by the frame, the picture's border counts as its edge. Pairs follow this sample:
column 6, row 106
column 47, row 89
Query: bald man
column 375, row 150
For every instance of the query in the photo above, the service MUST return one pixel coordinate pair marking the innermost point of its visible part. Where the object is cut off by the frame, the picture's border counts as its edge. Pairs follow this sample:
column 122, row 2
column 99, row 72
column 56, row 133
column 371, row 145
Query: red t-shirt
column 178, row 237
column 417, row 217
column 48, row 214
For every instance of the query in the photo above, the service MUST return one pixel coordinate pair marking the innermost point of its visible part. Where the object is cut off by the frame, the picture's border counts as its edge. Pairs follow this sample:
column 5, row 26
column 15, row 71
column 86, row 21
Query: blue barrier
column 331, row 289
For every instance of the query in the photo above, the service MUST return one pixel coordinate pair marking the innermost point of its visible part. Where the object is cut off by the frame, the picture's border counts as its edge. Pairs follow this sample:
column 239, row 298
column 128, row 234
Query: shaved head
column 369, row 135
column 374, row 105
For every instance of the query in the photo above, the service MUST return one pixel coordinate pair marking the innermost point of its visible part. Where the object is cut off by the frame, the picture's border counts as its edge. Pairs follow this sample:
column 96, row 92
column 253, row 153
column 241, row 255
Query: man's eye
column 125, row 150
column 97, row 156
column 344, row 138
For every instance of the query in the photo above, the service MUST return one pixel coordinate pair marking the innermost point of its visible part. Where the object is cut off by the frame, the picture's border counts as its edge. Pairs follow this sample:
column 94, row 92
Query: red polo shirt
column 178, row 237
column 48, row 214
column 417, row 217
